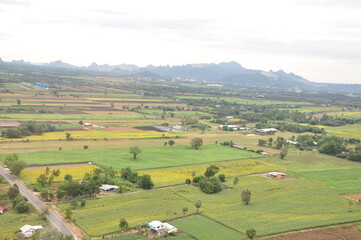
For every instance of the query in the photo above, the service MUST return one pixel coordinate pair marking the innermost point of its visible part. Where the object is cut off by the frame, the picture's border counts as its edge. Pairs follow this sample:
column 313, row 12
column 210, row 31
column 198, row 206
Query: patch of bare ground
column 347, row 232
column 192, row 135
column 122, row 129
column 9, row 124
column 355, row 196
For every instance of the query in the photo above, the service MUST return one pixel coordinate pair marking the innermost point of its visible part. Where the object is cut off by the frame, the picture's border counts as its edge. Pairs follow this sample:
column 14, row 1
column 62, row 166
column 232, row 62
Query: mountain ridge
column 223, row 73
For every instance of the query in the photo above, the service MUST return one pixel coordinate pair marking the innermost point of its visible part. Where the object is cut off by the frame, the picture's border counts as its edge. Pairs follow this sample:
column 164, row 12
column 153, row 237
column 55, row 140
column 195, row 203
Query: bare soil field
column 9, row 124
column 122, row 129
column 356, row 196
column 333, row 233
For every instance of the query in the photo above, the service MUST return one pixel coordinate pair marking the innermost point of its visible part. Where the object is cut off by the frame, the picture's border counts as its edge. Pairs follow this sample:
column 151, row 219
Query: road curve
column 38, row 204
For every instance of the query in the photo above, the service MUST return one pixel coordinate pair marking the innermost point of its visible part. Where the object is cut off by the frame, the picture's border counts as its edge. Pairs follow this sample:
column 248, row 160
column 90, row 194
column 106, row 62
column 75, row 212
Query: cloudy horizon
column 319, row 40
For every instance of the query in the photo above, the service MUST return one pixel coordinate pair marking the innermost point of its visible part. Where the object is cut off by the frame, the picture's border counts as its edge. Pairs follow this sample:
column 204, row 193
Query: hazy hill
column 224, row 73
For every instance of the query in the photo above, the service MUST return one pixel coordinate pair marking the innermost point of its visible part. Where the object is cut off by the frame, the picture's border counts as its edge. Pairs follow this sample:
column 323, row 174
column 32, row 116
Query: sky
column 319, row 40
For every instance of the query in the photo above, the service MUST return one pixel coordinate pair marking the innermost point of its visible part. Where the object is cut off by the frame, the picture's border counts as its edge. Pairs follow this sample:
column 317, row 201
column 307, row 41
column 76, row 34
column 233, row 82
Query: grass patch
column 102, row 215
column 151, row 157
column 345, row 180
column 206, row 229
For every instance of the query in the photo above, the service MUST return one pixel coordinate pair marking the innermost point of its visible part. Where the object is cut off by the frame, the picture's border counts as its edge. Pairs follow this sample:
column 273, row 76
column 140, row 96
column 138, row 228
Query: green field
column 101, row 216
column 248, row 101
column 275, row 207
column 347, row 131
column 345, row 180
column 151, row 157
column 11, row 222
column 76, row 116
column 206, row 229
column 312, row 161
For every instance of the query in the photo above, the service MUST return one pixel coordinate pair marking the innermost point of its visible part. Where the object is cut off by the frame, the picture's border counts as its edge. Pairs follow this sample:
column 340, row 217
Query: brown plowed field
column 333, row 233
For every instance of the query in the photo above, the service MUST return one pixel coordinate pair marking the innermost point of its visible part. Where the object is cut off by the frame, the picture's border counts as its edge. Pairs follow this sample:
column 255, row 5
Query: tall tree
column 135, row 151
column 198, row 205
column 196, row 143
column 246, row 196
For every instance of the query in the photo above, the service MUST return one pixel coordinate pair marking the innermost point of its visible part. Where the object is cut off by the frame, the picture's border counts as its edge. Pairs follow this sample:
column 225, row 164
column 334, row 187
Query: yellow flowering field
column 30, row 176
column 177, row 175
column 94, row 134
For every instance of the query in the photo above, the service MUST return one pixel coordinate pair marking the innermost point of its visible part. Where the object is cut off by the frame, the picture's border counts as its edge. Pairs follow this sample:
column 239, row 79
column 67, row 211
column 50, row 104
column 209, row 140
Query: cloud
column 14, row 2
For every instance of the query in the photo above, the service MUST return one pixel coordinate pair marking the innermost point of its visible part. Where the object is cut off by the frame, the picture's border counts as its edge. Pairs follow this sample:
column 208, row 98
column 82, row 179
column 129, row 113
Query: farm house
column 159, row 228
column 28, row 230
column 277, row 174
column 108, row 188
column 2, row 209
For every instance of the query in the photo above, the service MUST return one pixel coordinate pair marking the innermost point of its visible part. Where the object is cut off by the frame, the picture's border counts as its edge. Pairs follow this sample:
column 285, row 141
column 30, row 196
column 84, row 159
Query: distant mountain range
column 222, row 73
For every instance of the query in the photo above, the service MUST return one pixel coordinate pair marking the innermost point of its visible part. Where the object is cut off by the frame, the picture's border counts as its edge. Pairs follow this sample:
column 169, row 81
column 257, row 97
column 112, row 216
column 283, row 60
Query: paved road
column 38, row 204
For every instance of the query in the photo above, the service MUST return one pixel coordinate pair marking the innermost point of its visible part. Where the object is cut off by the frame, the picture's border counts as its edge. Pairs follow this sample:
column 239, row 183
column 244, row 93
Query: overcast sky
column 317, row 39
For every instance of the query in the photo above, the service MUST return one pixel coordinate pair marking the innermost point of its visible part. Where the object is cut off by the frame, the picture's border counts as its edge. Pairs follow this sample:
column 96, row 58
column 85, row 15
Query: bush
column 145, row 182
column 211, row 185
column 222, row 177
column 85, row 147
column 196, row 179
column 22, row 207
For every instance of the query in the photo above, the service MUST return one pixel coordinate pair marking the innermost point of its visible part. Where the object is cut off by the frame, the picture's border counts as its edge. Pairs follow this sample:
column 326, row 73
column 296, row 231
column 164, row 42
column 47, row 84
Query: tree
column 185, row 210
column 222, row 177
column 42, row 179
column 251, row 233
column 198, row 205
column 235, row 181
column 196, row 143
column 135, row 151
column 11, row 158
column 16, row 167
column 331, row 148
column 68, row 136
column 68, row 177
column 56, row 172
column 13, row 192
column 211, row 171
column 262, row 142
column 47, row 171
column 203, row 127
column 68, row 214
column 188, row 181
column 82, row 203
column 171, row 142
column 145, row 182
column 246, row 196
column 18, row 101
column 210, row 185
column 22, row 207
column 283, row 153
column 123, row 224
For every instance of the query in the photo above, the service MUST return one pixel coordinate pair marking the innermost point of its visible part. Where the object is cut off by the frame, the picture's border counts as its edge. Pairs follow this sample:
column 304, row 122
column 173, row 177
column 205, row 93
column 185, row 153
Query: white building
column 267, row 130
column 159, row 228
column 108, row 188
column 28, row 230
